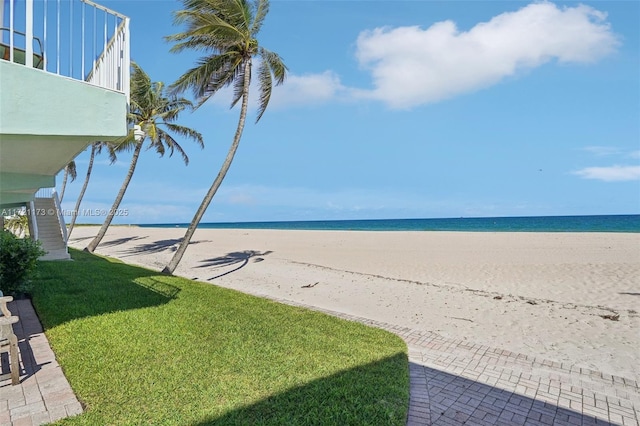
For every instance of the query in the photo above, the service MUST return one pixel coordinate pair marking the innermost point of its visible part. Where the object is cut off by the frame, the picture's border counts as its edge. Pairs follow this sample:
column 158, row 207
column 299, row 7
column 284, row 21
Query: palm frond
column 210, row 25
column 276, row 64
column 211, row 74
column 140, row 88
column 71, row 170
column 186, row 132
column 172, row 144
column 266, row 84
column 124, row 144
column 262, row 9
column 271, row 66
column 243, row 16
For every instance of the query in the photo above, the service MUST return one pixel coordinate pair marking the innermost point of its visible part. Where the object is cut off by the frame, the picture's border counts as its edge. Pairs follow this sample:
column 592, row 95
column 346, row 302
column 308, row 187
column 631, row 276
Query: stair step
column 51, row 234
column 56, row 255
column 47, row 247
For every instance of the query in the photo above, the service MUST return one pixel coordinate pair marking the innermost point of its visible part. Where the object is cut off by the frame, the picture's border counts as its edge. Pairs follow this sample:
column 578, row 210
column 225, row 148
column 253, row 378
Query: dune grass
column 139, row 347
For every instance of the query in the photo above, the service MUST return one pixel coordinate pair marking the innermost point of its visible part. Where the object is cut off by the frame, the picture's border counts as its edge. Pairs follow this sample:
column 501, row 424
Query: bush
column 18, row 257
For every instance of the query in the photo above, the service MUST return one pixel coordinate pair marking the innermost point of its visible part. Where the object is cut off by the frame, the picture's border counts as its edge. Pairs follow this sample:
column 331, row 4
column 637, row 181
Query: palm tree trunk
column 74, row 213
column 103, row 229
column 177, row 257
column 64, row 184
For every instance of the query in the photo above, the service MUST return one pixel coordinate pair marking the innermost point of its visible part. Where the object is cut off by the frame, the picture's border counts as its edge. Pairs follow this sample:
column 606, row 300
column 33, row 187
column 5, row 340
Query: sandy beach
column 568, row 297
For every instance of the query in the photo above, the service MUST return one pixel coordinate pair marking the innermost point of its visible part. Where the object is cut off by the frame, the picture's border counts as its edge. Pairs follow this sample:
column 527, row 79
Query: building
column 64, row 84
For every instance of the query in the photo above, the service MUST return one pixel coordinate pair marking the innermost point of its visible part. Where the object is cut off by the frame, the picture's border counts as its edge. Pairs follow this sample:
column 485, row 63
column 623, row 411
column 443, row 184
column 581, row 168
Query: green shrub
column 18, row 257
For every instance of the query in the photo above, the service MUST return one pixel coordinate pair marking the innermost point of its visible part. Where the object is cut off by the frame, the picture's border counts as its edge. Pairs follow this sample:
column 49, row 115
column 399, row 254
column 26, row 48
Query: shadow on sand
column 239, row 259
column 157, row 247
column 119, row 241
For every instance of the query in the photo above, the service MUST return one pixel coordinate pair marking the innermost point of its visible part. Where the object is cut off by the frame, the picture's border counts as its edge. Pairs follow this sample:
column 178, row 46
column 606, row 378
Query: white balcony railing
column 78, row 39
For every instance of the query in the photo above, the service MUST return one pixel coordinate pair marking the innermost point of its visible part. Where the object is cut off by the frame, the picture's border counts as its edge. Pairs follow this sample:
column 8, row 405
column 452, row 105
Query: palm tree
column 228, row 28
column 153, row 110
column 69, row 170
column 96, row 148
column 18, row 224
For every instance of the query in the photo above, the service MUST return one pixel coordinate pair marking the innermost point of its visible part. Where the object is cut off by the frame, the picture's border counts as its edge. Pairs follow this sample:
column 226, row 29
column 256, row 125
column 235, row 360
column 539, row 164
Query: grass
column 143, row 348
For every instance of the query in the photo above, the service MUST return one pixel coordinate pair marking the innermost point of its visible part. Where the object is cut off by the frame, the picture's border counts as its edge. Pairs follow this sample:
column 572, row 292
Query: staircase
column 49, row 232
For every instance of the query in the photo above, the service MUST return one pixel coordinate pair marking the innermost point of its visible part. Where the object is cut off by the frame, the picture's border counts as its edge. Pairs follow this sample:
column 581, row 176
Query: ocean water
column 605, row 223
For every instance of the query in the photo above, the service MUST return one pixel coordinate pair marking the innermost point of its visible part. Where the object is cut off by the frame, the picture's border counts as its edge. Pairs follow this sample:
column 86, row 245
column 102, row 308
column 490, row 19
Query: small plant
column 18, row 257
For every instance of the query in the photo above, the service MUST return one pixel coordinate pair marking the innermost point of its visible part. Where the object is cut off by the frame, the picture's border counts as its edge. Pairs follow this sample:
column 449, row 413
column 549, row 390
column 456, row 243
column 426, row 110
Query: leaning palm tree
column 153, row 110
column 69, row 171
column 228, row 29
column 96, row 148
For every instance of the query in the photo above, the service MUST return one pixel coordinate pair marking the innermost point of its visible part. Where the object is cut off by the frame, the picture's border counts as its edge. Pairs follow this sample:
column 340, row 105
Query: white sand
column 541, row 294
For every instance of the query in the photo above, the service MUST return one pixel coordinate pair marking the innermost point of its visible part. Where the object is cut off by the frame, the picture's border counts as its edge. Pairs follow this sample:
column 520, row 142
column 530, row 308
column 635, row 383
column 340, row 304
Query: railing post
column 28, row 60
column 11, row 13
column 58, row 212
column 58, row 37
column 125, row 72
column 33, row 221
column 44, row 38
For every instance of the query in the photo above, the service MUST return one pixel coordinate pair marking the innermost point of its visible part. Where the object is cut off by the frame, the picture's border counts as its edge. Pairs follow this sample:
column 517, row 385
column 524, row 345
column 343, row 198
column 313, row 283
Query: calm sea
column 610, row 223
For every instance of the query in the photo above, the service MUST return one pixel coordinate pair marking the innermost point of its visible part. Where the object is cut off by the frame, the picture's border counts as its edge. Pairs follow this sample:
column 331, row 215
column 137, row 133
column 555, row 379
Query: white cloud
column 610, row 174
column 306, row 89
column 411, row 66
column 634, row 154
column 602, row 151
column 297, row 90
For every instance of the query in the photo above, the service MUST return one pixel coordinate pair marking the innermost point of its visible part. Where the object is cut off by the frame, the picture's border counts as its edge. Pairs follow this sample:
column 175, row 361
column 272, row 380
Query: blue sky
column 404, row 110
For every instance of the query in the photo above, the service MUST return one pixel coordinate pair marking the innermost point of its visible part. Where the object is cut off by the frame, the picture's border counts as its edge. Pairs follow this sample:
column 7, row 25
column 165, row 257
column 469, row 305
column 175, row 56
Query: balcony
column 78, row 39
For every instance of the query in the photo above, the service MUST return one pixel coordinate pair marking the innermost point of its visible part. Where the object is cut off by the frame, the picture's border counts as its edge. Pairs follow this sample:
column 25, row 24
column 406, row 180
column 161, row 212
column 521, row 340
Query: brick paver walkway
column 44, row 394
column 454, row 382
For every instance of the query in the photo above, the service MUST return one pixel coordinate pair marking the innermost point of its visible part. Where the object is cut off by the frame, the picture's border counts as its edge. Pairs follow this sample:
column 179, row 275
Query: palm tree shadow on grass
column 239, row 258
column 92, row 286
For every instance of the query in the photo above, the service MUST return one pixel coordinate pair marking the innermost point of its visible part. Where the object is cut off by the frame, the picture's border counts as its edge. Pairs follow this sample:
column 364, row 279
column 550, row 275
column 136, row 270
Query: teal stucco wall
column 34, row 102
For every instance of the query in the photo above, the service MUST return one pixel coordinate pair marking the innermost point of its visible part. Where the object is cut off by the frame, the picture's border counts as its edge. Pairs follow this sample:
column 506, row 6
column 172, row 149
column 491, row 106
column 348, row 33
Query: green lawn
column 139, row 347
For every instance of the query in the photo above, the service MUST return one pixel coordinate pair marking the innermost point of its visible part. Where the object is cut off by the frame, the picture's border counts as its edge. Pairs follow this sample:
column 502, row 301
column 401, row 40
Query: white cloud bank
column 610, row 174
column 411, row 66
